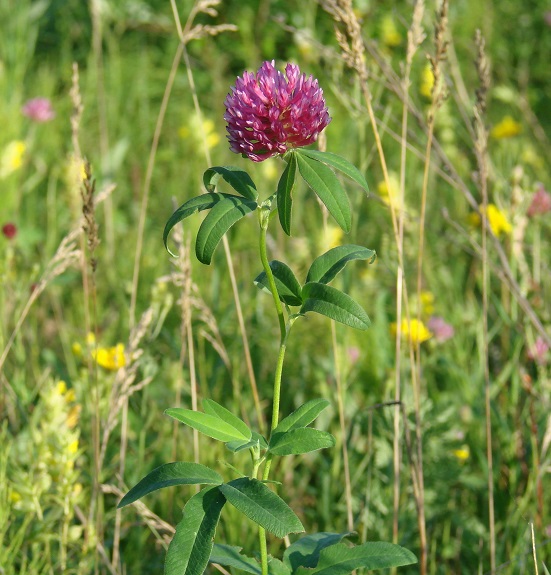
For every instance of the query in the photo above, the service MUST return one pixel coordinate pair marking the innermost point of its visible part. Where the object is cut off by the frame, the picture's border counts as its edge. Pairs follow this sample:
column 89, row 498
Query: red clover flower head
column 271, row 112
column 39, row 110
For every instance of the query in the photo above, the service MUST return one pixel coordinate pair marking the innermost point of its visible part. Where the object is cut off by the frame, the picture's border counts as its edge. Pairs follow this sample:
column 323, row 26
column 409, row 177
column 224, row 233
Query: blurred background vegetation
column 82, row 415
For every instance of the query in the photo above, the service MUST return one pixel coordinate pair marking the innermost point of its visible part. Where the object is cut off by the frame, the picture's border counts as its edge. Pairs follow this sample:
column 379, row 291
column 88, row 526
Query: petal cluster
column 271, row 112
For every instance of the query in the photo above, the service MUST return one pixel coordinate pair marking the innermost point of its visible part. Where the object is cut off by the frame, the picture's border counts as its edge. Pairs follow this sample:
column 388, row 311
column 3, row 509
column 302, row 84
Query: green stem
column 264, row 216
column 284, row 328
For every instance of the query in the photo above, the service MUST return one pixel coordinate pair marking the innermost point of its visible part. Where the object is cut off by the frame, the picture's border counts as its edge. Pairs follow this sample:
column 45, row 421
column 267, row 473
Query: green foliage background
column 124, row 54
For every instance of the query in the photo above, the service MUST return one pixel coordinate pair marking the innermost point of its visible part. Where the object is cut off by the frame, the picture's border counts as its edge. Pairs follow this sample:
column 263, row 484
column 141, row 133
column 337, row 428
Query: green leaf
column 256, row 438
column 340, row 559
column 302, row 416
column 338, row 163
column 302, row 440
column 239, row 180
column 306, row 551
column 288, row 288
column 285, row 193
column 277, row 567
column 230, row 556
column 218, row 221
column 208, row 424
column 178, row 473
column 262, row 506
column 326, row 185
column 213, row 408
column 191, row 546
column 335, row 304
column 204, row 202
column 325, row 267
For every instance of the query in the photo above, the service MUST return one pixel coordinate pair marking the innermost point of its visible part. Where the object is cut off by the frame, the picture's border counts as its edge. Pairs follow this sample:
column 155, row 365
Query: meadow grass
column 442, row 442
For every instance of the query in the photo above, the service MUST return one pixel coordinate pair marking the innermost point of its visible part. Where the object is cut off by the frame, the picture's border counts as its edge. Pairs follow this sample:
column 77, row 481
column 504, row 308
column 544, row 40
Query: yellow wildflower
column 331, row 238
column 70, row 395
column 73, row 416
column 111, row 358
column 507, row 128
column 427, row 81
column 12, row 157
column 390, row 194
column 76, row 348
column 91, row 339
column 72, row 448
column 463, row 453
column 389, row 33
column 427, row 302
column 497, row 220
column 194, row 130
column 61, row 387
column 15, row 496
column 414, row 330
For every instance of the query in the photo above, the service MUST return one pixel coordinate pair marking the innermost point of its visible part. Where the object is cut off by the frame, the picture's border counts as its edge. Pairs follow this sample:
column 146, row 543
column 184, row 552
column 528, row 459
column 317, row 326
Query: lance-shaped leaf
column 213, row 408
column 239, row 180
column 302, row 416
column 326, row 185
column 338, row 163
column 218, row 221
column 285, row 193
column 191, row 546
column 204, row 202
column 256, row 439
column 178, row 473
column 335, row 304
column 262, row 505
column 231, row 556
column 208, row 424
column 325, row 267
column 288, row 288
column 301, row 440
column 340, row 559
column 305, row 551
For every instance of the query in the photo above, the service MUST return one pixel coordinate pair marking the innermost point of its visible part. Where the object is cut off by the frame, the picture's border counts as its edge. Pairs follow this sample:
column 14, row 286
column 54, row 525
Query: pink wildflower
column 541, row 202
column 271, row 112
column 38, row 110
column 9, row 230
column 538, row 353
column 441, row 330
column 353, row 354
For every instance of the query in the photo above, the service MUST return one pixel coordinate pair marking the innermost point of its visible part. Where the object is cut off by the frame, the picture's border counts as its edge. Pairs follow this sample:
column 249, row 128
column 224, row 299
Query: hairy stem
column 264, row 219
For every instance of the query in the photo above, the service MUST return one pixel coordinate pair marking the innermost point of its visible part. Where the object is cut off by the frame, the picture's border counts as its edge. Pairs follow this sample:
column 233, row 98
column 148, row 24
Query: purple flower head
column 541, row 202
column 271, row 112
column 442, row 331
column 538, row 353
column 38, row 110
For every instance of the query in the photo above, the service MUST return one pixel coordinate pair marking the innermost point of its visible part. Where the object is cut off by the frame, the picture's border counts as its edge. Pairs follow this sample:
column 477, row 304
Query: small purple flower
column 271, row 112
column 538, row 353
column 540, row 204
column 441, row 330
column 38, row 110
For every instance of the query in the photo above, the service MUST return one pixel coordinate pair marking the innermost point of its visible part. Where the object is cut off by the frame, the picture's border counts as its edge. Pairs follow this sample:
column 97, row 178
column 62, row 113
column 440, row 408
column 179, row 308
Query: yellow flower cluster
column 47, row 454
column 110, row 358
column 12, row 158
column 414, row 330
column 389, row 33
column 427, row 82
column 195, row 129
column 390, row 194
column 507, row 128
column 497, row 220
